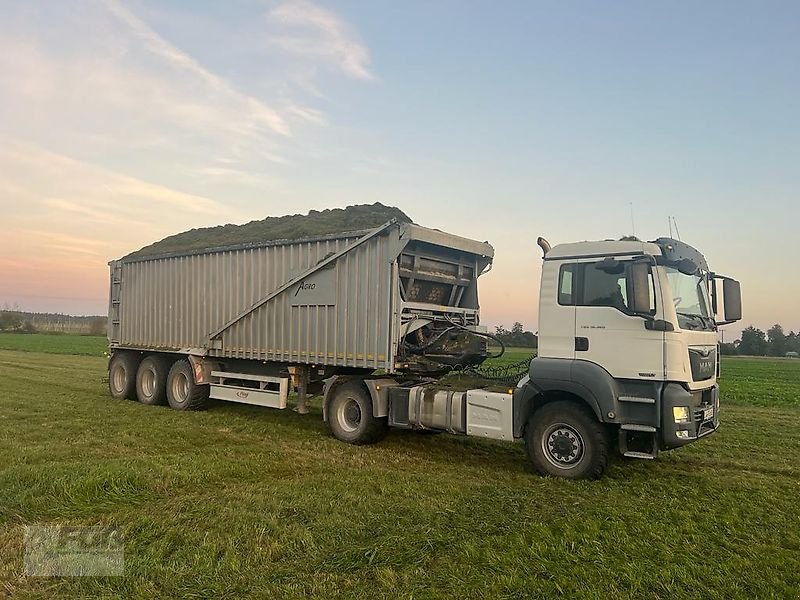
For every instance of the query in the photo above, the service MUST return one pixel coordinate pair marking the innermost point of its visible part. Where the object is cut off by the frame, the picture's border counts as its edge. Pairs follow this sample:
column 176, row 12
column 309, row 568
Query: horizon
column 123, row 125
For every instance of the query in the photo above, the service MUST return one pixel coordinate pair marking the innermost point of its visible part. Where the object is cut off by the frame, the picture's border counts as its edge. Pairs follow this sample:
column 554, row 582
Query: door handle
column 581, row 344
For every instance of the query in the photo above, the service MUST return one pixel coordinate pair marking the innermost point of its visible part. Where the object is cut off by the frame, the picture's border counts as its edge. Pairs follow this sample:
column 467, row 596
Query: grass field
column 241, row 501
column 86, row 345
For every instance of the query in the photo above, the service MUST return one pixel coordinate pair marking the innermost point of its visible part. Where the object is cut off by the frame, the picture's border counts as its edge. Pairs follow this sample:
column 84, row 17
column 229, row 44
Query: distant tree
column 27, row 327
column 501, row 331
column 530, row 340
column 793, row 342
column 728, row 349
column 517, row 336
column 97, row 326
column 10, row 320
column 753, row 343
column 777, row 341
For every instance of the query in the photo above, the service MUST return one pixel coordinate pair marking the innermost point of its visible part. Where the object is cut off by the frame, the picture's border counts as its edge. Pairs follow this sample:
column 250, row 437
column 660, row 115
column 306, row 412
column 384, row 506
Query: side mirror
column 640, row 298
column 732, row 299
column 611, row 266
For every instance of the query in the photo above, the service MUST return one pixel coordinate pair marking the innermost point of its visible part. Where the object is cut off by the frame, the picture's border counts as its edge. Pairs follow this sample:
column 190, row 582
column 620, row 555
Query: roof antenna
column 633, row 225
column 669, row 220
column 677, row 232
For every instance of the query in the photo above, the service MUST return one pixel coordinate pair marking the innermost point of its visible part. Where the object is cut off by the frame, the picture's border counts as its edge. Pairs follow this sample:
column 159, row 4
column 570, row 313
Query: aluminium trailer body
column 238, row 323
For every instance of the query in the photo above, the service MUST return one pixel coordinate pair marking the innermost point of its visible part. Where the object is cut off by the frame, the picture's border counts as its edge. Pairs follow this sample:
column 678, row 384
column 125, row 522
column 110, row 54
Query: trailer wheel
column 182, row 392
column 122, row 375
column 151, row 380
column 350, row 416
column 564, row 439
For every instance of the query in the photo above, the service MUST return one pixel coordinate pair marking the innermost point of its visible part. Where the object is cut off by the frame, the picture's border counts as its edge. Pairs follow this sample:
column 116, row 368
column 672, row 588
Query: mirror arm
column 712, row 279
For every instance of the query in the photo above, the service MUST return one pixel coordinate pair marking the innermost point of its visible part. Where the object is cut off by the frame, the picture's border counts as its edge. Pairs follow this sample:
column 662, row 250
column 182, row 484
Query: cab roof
column 671, row 250
column 601, row 248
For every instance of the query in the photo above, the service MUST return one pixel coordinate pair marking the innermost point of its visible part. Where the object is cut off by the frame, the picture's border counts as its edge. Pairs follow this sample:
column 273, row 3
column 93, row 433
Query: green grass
column 239, row 501
column 761, row 381
column 88, row 345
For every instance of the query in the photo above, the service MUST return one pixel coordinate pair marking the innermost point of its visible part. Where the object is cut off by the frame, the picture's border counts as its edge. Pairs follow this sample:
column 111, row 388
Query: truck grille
column 703, row 362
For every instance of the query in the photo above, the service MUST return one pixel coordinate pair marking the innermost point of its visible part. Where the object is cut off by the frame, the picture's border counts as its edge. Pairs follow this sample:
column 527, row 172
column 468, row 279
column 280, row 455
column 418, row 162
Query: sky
column 124, row 121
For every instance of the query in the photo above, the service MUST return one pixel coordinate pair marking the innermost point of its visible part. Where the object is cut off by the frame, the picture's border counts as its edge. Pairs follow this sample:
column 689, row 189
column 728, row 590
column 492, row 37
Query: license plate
column 708, row 414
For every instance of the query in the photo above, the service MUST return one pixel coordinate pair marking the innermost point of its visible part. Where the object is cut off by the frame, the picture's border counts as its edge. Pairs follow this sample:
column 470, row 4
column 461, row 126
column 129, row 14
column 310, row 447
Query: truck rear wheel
column 350, row 416
column 122, row 375
column 151, row 380
column 182, row 392
column 564, row 439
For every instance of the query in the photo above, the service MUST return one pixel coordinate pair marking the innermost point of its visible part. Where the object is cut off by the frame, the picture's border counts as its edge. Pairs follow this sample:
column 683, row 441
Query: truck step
column 637, row 399
column 634, row 427
column 645, row 455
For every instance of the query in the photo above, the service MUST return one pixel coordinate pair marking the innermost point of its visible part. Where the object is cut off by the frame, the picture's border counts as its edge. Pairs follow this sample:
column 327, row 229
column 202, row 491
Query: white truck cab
column 628, row 347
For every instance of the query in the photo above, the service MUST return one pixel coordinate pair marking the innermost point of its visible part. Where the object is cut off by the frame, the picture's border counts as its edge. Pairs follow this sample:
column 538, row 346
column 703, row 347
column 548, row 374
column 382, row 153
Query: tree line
column 516, row 336
column 17, row 321
column 755, row 342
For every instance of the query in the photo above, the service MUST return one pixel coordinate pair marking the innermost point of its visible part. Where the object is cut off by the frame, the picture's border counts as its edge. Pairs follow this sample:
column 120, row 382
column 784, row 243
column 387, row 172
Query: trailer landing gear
column 300, row 380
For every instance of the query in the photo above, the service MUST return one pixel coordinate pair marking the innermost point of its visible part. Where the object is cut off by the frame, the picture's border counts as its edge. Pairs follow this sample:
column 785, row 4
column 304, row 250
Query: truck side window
column 601, row 288
column 565, row 285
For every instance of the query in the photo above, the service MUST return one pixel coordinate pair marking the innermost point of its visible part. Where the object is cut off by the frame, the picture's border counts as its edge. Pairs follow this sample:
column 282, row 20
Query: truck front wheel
column 350, row 415
column 564, row 439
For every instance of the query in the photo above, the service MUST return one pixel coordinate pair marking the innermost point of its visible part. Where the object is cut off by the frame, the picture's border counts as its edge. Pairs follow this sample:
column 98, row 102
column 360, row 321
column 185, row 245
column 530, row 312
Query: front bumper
column 703, row 411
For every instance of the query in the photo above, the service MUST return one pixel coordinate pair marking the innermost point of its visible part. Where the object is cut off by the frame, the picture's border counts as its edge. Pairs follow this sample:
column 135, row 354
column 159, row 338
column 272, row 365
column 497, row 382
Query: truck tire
column 151, row 380
column 564, row 439
column 122, row 375
column 350, row 417
column 182, row 392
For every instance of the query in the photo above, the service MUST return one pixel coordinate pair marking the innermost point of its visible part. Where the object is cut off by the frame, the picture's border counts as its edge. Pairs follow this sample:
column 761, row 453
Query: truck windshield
column 690, row 297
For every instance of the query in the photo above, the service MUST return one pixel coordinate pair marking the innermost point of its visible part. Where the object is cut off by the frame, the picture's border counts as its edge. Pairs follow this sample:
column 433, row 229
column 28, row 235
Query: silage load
column 289, row 227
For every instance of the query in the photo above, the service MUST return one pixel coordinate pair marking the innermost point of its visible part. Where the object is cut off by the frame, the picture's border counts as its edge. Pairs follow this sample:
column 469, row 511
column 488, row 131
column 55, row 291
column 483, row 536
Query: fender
column 586, row 380
column 378, row 391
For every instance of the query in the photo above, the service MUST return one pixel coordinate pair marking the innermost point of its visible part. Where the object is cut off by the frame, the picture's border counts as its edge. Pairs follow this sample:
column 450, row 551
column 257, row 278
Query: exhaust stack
column 544, row 245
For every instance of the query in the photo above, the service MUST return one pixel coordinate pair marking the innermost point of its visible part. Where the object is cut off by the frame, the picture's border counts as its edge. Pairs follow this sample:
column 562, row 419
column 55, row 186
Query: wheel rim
column 563, row 446
column 180, row 387
column 149, row 382
column 348, row 415
column 118, row 379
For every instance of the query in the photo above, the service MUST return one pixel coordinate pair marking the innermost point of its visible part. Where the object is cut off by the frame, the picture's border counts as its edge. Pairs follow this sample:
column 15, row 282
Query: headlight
column 681, row 414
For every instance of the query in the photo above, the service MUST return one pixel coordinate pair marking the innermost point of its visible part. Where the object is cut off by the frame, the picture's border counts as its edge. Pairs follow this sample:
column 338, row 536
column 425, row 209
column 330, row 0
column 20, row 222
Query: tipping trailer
column 371, row 319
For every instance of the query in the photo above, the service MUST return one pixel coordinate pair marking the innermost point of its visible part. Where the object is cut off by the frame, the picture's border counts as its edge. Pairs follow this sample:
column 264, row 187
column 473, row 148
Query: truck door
column 557, row 310
column 607, row 332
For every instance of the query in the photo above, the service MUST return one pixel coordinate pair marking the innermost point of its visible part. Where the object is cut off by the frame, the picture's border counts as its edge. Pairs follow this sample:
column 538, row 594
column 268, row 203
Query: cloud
column 87, row 182
column 61, row 204
column 114, row 135
column 156, row 44
column 320, row 34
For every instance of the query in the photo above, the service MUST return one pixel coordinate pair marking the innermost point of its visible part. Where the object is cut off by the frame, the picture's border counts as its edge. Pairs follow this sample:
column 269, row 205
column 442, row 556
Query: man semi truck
column 627, row 339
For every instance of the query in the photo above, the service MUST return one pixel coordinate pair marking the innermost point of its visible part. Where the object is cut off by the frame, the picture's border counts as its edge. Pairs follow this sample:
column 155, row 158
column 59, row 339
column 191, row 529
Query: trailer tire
column 182, row 391
column 564, row 439
column 350, row 417
column 151, row 380
column 122, row 375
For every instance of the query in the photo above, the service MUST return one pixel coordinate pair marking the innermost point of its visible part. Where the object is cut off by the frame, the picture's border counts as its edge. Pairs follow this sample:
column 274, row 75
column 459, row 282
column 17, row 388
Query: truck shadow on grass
column 406, row 448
